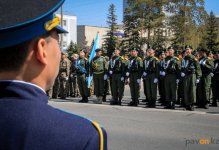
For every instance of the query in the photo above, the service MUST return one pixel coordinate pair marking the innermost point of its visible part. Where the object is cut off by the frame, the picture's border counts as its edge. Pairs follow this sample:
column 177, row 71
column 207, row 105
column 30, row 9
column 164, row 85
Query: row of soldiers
column 179, row 76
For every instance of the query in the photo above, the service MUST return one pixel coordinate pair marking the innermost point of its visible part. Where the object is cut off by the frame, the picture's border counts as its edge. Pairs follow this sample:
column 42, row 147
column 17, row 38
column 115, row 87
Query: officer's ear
column 41, row 53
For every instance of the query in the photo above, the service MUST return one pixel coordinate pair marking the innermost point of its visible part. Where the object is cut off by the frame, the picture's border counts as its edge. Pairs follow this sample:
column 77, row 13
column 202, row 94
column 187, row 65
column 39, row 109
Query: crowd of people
column 186, row 78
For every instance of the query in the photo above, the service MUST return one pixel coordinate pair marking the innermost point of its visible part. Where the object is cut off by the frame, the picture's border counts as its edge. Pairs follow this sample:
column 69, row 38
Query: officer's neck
column 135, row 56
column 116, row 55
column 151, row 56
column 204, row 56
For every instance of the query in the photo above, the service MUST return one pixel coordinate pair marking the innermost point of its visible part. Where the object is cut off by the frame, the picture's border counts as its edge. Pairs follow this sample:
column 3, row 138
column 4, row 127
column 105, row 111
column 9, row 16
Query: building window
column 64, row 22
column 64, row 44
column 64, row 34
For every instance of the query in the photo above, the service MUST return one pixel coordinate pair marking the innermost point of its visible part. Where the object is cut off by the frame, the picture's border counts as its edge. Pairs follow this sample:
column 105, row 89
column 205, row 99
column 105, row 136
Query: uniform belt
column 117, row 72
column 191, row 72
column 150, row 72
column 98, row 72
column 171, row 73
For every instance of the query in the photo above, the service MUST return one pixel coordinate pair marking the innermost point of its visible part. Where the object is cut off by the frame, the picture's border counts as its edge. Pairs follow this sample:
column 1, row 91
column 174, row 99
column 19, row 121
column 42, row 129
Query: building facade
column 69, row 24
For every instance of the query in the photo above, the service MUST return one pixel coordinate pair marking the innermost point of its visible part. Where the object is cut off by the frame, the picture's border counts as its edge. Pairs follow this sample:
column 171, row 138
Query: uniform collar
column 22, row 90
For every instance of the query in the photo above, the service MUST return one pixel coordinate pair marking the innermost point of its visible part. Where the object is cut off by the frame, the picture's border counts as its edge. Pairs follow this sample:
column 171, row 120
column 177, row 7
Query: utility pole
column 62, row 27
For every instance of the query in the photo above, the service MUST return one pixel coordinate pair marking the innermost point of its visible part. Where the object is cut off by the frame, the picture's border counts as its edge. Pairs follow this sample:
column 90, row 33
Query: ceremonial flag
column 92, row 55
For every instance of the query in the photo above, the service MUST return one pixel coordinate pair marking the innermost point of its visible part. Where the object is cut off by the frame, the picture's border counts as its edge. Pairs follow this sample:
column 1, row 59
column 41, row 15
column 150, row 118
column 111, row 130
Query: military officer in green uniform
column 172, row 70
column 117, row 73
column 191, row 74
column 204, row 84
column 134, row 73
column 215, row 80
column 151, row 68
column 64, row 75
column 82, row 70
column 98, row 72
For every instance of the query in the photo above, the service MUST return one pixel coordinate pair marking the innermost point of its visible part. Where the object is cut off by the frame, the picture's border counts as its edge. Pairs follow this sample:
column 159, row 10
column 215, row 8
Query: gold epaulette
column 102, row 56
column 195, row 59
column 122, row 57
column 177, row 58
column 139, row 58
column 209, row 58
column 85, row 58
column 156, row 58
column 126, row 59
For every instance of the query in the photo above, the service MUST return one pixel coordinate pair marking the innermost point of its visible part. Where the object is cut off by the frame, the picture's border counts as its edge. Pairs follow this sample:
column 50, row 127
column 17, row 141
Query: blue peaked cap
column 15, row 32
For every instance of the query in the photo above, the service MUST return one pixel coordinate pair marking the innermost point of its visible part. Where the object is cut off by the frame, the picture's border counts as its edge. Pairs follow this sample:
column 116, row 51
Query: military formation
column 186, row 78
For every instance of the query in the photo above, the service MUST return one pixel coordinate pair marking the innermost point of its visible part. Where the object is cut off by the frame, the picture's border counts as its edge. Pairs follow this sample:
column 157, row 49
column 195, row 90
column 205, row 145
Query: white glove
column 163, row 73
column 71, row 75
column 111, row 72
column 197, row 81
column 66, row 78
column 122, row 78
column 203, row 63
column 139, row 80
column 212, row 75
column 91, row 78
column 155, row 80
column 144, row 74
column 160, row 72
column 182, row 74
column 86, row 79
column 105, row 77
column 177, row 81
column 127, row 74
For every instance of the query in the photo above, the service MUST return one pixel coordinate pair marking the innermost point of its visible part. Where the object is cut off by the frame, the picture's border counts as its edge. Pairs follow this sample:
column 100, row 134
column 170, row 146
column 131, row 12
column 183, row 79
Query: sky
column 94, row 12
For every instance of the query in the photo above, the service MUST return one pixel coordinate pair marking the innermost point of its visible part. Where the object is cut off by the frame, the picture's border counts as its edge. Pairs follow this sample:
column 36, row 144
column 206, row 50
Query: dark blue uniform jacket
column 27, row 122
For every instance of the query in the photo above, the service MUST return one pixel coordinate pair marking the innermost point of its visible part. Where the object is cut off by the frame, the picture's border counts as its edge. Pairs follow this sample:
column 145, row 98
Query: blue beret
column 20, row 24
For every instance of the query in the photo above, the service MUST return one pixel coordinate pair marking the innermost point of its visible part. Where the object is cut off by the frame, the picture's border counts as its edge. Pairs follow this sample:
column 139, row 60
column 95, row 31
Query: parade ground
column 140, row 128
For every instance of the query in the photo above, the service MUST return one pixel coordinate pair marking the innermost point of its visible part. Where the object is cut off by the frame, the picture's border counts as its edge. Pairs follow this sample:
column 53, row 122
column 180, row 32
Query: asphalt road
column 139, row 128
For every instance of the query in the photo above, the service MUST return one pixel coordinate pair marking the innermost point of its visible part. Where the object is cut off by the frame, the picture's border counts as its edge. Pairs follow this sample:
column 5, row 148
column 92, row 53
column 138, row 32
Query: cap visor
column 60, row 30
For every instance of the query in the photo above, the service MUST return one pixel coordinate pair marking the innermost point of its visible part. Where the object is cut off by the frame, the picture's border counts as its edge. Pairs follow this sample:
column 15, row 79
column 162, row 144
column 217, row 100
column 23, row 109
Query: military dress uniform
column 191, row 74
column 98, row 71
column 151, row 70
column 215, row 81
column 27, row 121
column 172, row 70
column 203, row 86
column 82, row 69
column 161, row 82
column 73, row 85
column 63, row 77
column 117, row 73
column 134, row 73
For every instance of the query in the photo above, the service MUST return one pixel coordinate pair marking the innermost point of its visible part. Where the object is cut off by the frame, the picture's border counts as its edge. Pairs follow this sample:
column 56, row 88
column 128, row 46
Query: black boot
column 214, row 103
column 191, row 107
column 82, row 100
column 120, row 101
column 173, row 105
column 153, row 104
column 104, row 98
column 186, row 107
column 136, row 103
column 132, row 103
column 144, row 100
column 168, row 105
column 114, row 102
column 85, row 100
column 206, row 105
column 150, row 104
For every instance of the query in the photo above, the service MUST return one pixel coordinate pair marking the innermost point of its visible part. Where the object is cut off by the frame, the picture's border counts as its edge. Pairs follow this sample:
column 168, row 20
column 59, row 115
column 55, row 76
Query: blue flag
column 92, row 55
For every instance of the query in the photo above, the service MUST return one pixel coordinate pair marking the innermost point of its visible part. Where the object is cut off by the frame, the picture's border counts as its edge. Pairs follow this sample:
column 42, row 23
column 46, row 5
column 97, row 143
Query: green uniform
column 180, row 90
column 215, row 83
column 63, row 77
column 203, row 86
column 135, row 68
column 73, row 85
column 192, row 70
column 82, row 70
column 56, row 88
column 162, row 83
column 117, row 75
column 172, row 71
column 98, row 69
column 151, row 68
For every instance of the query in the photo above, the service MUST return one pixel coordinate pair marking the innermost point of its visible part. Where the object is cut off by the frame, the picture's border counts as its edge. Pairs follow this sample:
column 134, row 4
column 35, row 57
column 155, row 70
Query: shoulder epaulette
column 122, row 57
column 85, row 58
column 195, row 59
column 176, row 58
column 209, row 58
column 126, row 59
column 102, row 56
column 139, row 58
column 156, row 58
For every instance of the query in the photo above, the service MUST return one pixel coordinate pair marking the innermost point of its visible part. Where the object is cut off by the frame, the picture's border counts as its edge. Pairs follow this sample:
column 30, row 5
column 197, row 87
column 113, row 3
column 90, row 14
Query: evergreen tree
column 110, row 40
column 212, row 33
column 92, row 43
column 72, row 49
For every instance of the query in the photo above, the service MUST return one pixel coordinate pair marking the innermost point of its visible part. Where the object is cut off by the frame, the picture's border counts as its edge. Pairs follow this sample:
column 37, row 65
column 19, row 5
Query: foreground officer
column 151, row 73
column 205, row 81
column 82, row 70
column 29, row 63
column 134, row 73
column 117, row 73
column 98, row 72
column 190, row 76
column 172, row 70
